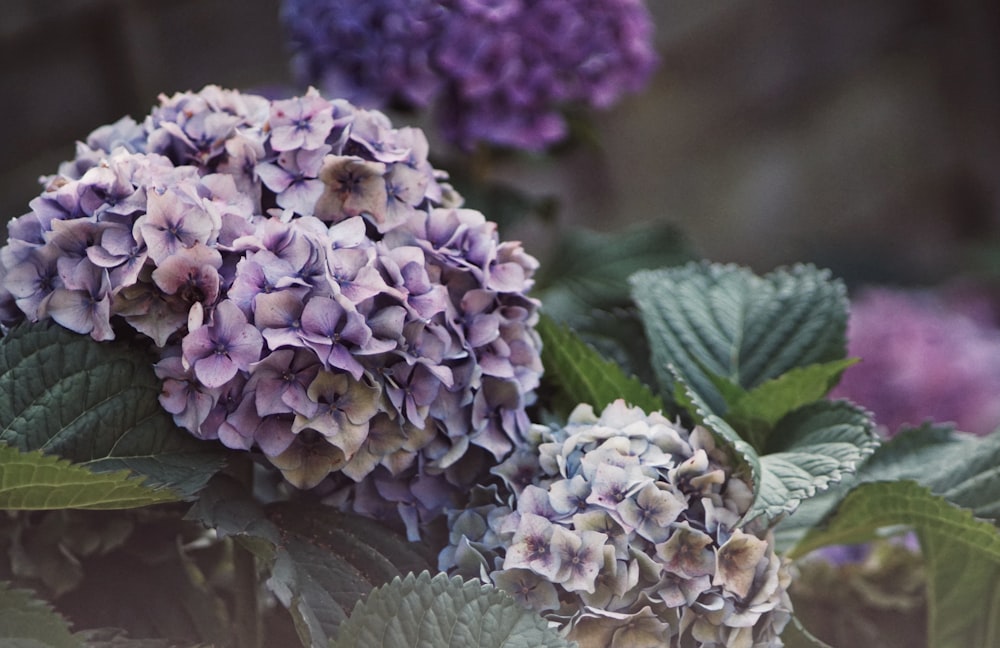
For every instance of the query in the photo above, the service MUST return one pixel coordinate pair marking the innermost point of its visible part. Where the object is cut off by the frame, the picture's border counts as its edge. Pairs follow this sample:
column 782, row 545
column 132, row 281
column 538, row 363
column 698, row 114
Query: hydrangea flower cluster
column 496, row 71
column 624, row 528
column 312, row 284
column 924, row 356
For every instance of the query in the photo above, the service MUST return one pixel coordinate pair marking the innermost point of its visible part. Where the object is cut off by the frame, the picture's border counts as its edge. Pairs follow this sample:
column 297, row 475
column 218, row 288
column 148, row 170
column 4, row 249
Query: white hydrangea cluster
column 625, row 528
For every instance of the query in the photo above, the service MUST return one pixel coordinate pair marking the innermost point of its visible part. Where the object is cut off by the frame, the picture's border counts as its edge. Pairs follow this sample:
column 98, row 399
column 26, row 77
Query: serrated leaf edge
column 83, row 478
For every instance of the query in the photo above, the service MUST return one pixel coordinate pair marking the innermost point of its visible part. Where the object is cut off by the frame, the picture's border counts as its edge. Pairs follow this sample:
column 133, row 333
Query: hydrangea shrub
column 313, row 286
column 625, row 529
column 500, row 72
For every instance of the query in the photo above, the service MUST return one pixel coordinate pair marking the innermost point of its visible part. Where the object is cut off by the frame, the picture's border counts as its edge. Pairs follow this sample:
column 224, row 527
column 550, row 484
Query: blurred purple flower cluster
column 312, row 284
column 924, row 356
column 625, row 528
column 496, row 71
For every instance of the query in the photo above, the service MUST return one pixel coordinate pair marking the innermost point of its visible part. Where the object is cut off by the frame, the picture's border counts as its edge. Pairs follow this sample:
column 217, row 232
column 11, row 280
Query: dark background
column 859, row 135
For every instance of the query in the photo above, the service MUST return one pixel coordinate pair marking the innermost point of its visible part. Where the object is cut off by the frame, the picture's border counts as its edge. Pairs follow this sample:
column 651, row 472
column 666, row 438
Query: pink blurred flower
column 924, row 356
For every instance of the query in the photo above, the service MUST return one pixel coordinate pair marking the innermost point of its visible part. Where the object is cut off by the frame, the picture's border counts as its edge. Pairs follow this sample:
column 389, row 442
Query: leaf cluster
column 750, row 358
column 441, row 612
column 83, row 436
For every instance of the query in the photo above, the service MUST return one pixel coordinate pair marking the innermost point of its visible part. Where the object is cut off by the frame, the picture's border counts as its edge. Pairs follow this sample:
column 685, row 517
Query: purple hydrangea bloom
column 629, row 528
column 499, row 71
column 314, row 290
column 924, row 356
column 220, row 350
column 301, row 123
column 373, row 52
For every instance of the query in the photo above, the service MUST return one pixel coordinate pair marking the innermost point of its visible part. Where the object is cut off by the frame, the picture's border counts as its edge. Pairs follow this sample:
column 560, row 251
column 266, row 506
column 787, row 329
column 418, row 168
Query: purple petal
column 300, row 196
column 274, row 177
column 343, row 359
column 215, row 370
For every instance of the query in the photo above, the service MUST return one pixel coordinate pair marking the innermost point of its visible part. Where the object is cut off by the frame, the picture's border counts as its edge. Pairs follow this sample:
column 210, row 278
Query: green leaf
column 811, row 448
column 575, row 371
column 927, row 455
column 617, row 334
column 26, row 622
column 441, row 612
column 321, row 561
column 754, row 413
column 930, row 454
column 962, row 555
column 95, row 404
column 791, row 529
column 722, row 320
column 32, row 481
column 963, row 583
column 589, row 270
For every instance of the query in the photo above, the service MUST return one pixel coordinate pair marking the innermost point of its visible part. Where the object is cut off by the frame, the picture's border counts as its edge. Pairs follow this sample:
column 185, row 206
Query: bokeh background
column 862, row 136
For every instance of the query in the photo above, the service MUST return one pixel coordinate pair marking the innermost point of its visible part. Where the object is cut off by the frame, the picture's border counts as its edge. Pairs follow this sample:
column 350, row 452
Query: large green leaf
column 811, row 448
column 811, row 511
column 962, row 555
column 321, row 561
column 721, row 320
column 95, row 404
column 577, row 373
column 32, row 481
column 441, row 612
column 26, row 622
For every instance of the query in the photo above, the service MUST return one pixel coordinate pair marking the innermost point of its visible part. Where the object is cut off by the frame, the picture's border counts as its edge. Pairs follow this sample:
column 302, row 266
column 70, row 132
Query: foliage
column 97, row 406
column 722, row 323
column 928, row 455
column 753, row 358
column 769, row 415
column 443, row 612
column 585, row 285
column 576, row 373
column 31, row 481
column 321, row 561
column 588, row 270
column 26, row 622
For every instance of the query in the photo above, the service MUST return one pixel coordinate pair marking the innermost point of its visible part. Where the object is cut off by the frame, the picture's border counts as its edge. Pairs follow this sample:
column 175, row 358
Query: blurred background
column 862, row 136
